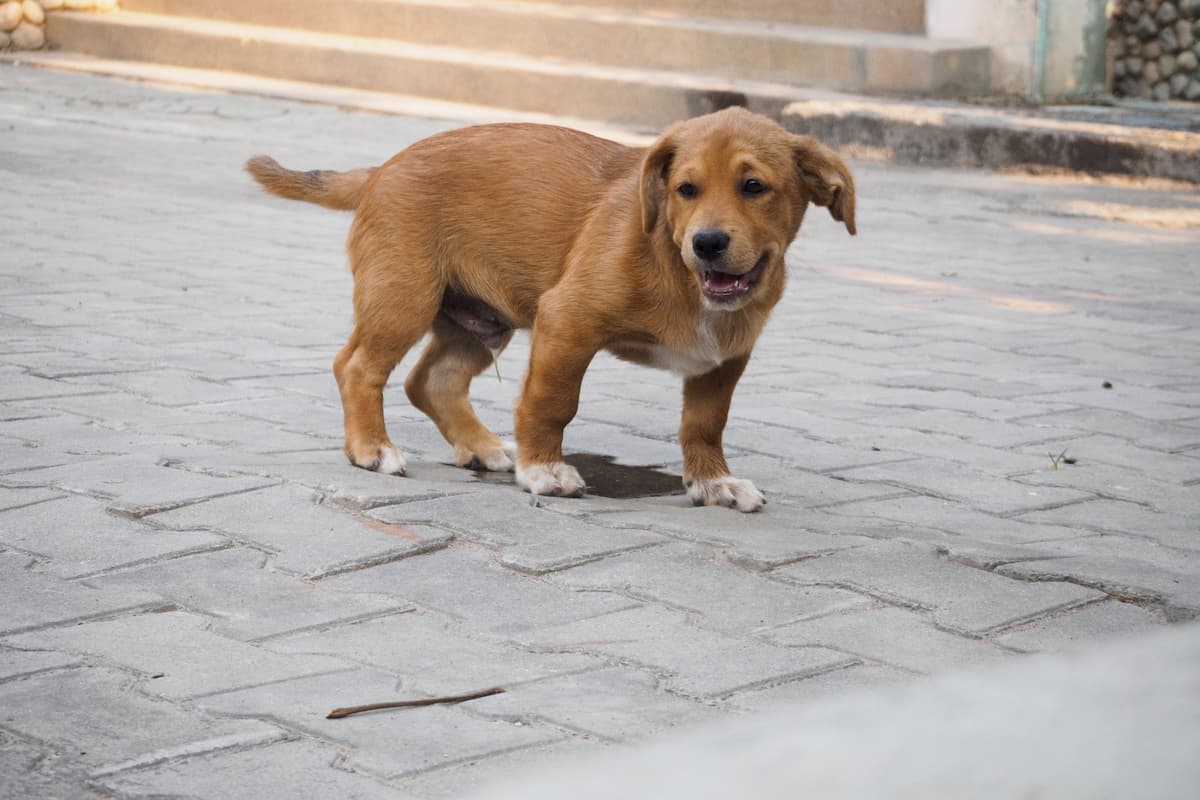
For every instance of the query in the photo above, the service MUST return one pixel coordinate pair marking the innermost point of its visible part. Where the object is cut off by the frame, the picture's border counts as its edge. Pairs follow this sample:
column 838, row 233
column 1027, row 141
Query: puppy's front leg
column 706, row 400
column 549, row 399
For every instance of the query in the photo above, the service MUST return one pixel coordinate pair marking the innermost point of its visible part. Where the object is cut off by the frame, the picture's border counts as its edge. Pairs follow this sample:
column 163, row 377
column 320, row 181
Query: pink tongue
column 720, row 280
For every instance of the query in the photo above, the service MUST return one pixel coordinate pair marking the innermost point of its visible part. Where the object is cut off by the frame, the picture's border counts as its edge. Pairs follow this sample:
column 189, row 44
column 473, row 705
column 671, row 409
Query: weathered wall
column 1041, row 49
column 1009, row 26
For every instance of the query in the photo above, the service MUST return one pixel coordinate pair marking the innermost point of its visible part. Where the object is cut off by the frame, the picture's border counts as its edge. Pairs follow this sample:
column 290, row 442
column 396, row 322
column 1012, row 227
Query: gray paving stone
column 778, row 535
column 697, row 663
column 818, row 688
column 16, row 663
column 134, row 485
column 1141, row 401
column 808, row 489
column 75, row 536
column 456, row 780
column 462, row 583
column 174, row 388
column 528, row 538
column 905, row 443
column 891, row 636
column 797, row 451
column 964, row 485
column 335, row 479
column 254, row 774
column 30, row 770
column 107, row 727
column 306, row 536
column 1116, row 516
column 386, row 744
column 983, row 432
column 1076, row 629
column 432, row 657
column 57, row 438
column 18, row 498
column 20, row 386
column 697, row 579
column 956, row 519
column 187, row 659
column 1121, row 566
column 1174, row 468
column 618, row 703
column 32, row 599
column 248, row 436
column 1119, row 484
column 962, row 598
column 246, row 599
column 1171, row 437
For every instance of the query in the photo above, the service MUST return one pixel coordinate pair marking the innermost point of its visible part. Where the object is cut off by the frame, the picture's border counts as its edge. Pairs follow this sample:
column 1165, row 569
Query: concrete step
column 1098, row 141
column 632, row 97
column 1132, row 141
column 889, row 16
column 856, row 61
column 845, row 60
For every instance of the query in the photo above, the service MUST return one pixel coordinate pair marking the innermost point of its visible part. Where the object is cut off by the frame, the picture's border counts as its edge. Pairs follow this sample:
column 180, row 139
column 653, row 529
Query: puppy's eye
column 753, row 187
column 688, row 189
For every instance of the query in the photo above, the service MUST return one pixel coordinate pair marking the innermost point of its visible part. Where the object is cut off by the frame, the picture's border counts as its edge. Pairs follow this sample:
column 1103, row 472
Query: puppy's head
column 731, row 189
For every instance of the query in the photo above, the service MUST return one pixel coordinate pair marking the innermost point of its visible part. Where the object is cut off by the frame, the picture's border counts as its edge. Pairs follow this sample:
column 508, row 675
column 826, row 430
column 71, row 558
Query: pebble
column 33, row 12
column 10, row 15
column 28, row 36
column 1157, row 51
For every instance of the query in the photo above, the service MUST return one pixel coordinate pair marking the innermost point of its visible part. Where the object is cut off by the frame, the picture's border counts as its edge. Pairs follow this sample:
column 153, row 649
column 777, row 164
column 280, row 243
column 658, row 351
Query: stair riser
column 892, row 16
column 620, row 101
column 832, row 65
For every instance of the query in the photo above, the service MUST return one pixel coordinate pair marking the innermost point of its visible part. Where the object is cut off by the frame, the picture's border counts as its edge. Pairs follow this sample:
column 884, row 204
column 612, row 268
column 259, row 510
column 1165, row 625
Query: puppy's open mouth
column 724, row 287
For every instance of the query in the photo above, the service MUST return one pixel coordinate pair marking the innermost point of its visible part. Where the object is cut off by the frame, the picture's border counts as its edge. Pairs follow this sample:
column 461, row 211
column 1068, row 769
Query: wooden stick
column 338, row 713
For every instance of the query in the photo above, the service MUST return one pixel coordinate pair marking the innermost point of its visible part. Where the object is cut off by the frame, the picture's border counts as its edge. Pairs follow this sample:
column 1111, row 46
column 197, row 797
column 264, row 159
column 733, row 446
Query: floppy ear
column 655, row 167
column 827, row 179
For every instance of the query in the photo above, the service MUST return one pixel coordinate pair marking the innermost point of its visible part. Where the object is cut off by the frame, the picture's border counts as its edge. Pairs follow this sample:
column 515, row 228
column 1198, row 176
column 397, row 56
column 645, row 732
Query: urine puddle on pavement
column 606, row 478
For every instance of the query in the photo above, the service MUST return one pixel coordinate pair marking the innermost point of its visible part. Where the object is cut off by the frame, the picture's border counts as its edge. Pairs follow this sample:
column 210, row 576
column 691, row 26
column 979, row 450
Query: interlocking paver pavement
column 191, row 576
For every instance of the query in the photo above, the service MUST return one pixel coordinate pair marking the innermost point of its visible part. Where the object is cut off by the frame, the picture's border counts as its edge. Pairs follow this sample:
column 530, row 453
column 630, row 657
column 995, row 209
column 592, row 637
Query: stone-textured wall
column 1156, row 46
column 23, row 22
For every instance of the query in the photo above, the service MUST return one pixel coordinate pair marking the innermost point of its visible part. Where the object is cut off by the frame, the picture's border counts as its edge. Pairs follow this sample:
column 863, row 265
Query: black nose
column 709, row 245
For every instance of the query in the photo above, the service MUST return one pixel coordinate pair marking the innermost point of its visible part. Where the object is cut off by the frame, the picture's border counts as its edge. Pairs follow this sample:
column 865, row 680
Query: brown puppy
column 670, row 257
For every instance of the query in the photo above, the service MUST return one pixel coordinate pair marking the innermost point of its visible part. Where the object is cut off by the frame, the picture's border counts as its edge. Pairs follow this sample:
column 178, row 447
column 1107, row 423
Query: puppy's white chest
column 704, row 356
column 687, row 363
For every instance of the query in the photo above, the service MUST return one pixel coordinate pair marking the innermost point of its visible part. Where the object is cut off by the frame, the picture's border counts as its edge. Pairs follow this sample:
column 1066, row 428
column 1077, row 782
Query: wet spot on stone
column 605, row 478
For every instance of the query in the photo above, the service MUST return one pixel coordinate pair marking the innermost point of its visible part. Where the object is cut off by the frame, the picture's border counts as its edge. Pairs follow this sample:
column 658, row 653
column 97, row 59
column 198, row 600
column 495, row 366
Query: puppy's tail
column 339, row 190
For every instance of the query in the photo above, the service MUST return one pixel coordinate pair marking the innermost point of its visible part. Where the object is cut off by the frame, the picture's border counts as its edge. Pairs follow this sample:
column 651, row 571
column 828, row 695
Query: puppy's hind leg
column 382, row 335
column 439, row 385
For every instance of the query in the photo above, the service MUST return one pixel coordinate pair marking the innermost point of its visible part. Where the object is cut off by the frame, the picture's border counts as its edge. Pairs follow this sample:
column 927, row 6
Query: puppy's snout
column 710, row 245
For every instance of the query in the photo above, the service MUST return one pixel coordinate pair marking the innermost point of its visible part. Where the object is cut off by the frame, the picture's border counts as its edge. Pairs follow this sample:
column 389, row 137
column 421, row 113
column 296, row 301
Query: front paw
column 557, row 479
column 725, row 491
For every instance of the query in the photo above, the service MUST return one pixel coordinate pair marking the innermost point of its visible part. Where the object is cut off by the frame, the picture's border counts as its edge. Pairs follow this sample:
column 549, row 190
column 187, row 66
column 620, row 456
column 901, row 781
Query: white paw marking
column 497, row 460
column 390, row 461
column 726, row 491
column 558, row 479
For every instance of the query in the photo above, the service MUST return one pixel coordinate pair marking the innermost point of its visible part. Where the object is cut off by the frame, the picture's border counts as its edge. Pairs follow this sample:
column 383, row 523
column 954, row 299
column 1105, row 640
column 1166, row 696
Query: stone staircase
column 642, row 64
